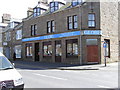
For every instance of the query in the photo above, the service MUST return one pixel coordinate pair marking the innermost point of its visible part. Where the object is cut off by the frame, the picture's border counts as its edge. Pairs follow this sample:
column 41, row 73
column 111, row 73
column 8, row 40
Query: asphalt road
column 52, row 78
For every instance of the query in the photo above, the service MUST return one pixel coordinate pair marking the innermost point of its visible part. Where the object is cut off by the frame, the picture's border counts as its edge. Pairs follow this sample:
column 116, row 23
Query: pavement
column 61, row 66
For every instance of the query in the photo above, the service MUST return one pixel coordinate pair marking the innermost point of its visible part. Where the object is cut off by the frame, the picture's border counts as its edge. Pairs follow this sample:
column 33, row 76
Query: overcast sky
column 17, row 8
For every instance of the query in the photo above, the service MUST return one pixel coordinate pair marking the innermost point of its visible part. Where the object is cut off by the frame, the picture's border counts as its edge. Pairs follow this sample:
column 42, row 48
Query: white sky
column 17, row 8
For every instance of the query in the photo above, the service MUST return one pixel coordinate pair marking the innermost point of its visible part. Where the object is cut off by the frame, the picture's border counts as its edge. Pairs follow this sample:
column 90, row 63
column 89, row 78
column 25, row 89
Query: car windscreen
column 5, row 64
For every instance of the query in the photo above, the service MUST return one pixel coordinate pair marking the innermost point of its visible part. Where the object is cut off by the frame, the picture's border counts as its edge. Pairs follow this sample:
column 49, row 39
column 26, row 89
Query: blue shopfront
column 68, row 47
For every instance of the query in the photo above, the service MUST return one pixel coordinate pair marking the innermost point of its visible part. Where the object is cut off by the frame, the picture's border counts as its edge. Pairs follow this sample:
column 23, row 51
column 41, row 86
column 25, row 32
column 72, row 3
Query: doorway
column 92, row 53
column 36, row 51
column 58, row 51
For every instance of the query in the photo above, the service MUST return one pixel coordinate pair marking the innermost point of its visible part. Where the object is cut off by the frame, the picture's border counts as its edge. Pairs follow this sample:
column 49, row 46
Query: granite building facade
column 74, row 33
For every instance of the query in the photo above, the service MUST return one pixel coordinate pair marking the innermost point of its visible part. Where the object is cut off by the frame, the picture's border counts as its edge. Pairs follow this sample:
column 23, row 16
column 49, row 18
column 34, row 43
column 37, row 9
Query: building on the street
column 72, row 32
column 9, row 38
column 5, row 20
column 2, row 26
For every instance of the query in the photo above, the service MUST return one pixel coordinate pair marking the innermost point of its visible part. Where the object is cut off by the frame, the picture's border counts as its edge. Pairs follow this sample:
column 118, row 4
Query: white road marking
column 49, row 76
column 103, row 86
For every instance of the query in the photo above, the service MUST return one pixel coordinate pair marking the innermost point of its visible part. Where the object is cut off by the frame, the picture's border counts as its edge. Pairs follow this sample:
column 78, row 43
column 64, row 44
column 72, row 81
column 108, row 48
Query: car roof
column 1, row 54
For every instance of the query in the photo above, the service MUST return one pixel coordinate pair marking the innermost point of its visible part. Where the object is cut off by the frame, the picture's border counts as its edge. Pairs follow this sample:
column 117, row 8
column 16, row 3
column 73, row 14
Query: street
column 40, row 77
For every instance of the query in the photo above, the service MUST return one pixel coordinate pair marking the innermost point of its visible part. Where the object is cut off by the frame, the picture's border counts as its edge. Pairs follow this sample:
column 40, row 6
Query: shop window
column 91, row 42
column 29, row 50
column 108, row 47
column 91, row 20
column 58, row 48
column 18, row 51
column 72, row 47
column 47, row 49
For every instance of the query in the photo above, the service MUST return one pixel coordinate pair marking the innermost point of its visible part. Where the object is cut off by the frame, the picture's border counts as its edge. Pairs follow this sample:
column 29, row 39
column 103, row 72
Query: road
column 53, row 78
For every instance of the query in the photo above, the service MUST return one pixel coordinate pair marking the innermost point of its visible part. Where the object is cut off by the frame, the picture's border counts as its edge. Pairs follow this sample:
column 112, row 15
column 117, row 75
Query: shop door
column 92, row 53
column 7, row 52
column 36, row 51
column 58, row 51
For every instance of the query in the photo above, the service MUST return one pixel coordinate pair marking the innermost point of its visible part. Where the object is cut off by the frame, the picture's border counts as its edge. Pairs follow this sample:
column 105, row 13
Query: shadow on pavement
column 30, row 65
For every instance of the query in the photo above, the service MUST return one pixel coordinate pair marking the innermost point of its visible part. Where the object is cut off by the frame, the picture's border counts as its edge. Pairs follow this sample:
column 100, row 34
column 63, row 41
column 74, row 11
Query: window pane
column 52, row 4
column 91, row 42
column 52, row 9
column 70, row 26
column 72, row 47
column 58, row 50
column 75, row 18
column 48, row 27
column 45, row 51
column 56, row 8
column 70, row 19
column 53, row 23
column 75, row 49
column 35, row 10
column 91, row 23
column 75, row 25
column 47, row 48
column 69, row 49
column 91, row 17
column 53, row 26
column 38, row 10
column 18, row 34
column 75, row 2
column 18, row 51
column 56, row 4
column 29, row 49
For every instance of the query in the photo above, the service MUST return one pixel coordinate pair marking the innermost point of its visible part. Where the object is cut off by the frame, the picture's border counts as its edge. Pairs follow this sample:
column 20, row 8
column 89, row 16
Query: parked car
column 10, row 79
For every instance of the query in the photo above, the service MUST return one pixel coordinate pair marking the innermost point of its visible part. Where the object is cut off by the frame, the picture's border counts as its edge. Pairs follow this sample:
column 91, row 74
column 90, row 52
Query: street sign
column 104, row 45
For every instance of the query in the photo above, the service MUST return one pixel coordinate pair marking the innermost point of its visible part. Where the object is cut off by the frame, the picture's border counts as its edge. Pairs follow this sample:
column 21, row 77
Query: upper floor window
column 53, row 6
column 18, row 34
column 8, row 36
column 76, row 2
column 53, row 26
column 50, row 26
column 33, row 30
column 91, row 20
column 72, row 22
column 75, row 22
column 38, row 11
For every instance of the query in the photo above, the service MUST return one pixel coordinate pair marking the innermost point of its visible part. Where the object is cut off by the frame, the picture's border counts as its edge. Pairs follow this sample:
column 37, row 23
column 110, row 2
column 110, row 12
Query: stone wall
column 109, row 27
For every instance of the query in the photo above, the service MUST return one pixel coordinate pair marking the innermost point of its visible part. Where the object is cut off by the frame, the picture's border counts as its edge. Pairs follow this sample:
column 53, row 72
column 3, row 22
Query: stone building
column 5, row 20
column 8, row 38
column 64, row 34
column 75, row 33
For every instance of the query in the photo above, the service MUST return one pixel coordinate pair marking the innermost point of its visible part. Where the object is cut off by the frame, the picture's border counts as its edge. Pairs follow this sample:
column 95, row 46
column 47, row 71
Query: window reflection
column 47, row 49
column 72, row 47
column 58, row 48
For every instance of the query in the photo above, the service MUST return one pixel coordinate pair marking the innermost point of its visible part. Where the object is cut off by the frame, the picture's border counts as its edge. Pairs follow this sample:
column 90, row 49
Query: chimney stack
column 29, row 12
column 6, row 18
